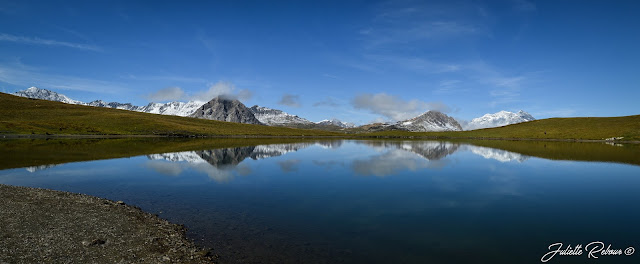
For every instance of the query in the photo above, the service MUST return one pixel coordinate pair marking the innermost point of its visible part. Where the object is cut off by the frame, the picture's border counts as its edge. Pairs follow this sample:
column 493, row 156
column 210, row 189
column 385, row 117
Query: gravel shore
column 46, row 226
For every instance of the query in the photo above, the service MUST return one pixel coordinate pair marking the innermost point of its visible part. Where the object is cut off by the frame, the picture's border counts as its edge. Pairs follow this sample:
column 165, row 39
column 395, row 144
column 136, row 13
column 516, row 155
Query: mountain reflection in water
column 393, row 156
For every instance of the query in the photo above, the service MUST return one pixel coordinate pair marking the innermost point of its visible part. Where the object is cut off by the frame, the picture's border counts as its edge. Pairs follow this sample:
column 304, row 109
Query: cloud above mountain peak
column 394, row 107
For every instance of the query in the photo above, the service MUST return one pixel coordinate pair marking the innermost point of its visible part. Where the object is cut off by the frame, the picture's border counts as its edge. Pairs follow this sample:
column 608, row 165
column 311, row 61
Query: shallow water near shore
column 375, row 201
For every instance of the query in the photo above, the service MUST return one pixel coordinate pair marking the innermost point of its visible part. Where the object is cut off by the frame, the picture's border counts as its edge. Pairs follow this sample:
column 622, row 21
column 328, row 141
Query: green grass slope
column 575, row 128
column 28, row 116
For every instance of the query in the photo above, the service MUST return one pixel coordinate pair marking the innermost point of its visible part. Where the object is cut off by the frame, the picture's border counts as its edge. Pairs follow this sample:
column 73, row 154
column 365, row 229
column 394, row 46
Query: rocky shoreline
column 46, row 226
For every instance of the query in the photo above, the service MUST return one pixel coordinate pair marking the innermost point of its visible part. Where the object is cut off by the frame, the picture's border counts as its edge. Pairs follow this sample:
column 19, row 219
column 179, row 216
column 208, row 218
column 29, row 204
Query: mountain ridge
column 171, row 108
column 428, row 121
column 275, row 117
column 499, row 119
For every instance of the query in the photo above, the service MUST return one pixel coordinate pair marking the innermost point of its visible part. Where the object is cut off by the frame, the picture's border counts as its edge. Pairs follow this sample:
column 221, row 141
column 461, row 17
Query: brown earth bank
column 46, row 226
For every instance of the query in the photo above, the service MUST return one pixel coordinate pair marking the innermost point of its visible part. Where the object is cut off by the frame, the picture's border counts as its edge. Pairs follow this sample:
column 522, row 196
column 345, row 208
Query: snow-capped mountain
column 498, row 119
column 335, row 122
column 115, row 105
column 42, row 94
column 222, row 109
column 172, row 108
column 430, row 121
column 275, row 117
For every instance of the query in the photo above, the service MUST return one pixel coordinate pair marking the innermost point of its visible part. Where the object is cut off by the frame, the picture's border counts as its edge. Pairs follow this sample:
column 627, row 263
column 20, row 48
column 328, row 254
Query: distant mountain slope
column 430, row 121
column 275, row 117
column 115, row 105
column 170, row 108
column 42, row 94
column 335, row 122
column 173, row 108
column 226, row 110
column 498, row 119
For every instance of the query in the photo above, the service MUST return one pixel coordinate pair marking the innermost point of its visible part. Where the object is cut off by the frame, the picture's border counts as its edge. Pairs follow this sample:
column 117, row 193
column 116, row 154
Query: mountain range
column 231, row 110
column 171, row 108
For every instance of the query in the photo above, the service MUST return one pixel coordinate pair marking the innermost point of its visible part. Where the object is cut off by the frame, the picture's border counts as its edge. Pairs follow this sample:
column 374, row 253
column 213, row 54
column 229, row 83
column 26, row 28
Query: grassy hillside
column 580, row 128
column 27, row 116
column 20, row 115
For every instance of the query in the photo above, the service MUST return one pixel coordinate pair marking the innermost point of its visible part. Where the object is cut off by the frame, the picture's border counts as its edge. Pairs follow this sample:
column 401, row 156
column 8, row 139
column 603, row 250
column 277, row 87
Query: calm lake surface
column 376, row 201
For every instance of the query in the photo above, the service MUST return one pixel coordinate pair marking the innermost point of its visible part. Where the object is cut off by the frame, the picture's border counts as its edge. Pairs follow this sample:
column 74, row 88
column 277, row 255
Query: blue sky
column 357, row 61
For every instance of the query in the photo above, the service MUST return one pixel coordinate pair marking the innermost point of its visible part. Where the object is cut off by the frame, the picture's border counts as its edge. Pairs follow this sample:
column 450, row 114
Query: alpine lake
column 360, row 201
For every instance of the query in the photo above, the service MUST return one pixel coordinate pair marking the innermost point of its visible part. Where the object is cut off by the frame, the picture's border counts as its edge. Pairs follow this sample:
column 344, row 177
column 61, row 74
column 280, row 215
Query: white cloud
column 167, row 94
column 168, row 78
column 507, row 90
column 450, row 87
column 330, row 76
column 401, row 23
column 47, row 42
column 290, row 100
column 223, row 89
column 394, row 107
column 416, row 64
column 289, row 165
column 166, row 168
column 329, row 101
column 389, row 163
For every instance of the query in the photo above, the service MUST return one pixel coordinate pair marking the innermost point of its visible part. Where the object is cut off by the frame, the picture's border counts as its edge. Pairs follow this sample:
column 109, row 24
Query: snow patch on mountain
column 43, row 94
column 114, row 105
column 172, row 108
column 335, row 122
column 498, row 119
column 271, row 117
column 430, row 121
